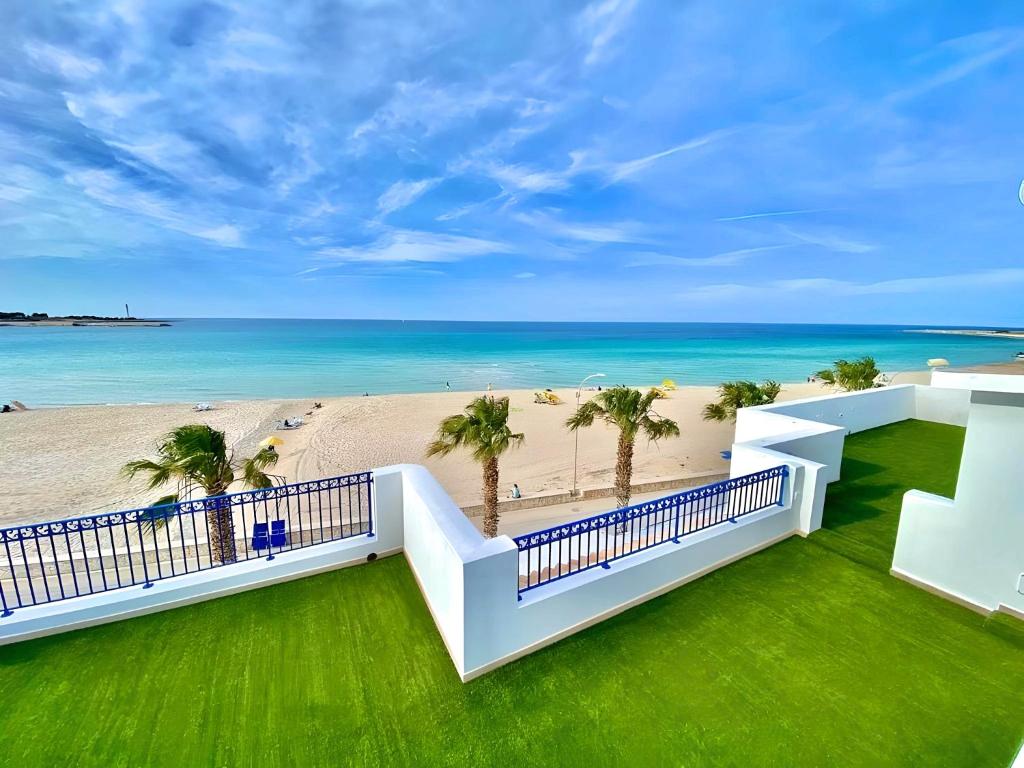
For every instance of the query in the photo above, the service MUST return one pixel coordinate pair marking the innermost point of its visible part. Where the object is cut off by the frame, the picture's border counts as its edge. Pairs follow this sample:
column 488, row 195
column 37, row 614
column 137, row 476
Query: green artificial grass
column 805, row 654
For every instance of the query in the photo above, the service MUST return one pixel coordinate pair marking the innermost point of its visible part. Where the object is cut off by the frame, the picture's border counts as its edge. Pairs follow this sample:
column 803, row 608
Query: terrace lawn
column 806, row 654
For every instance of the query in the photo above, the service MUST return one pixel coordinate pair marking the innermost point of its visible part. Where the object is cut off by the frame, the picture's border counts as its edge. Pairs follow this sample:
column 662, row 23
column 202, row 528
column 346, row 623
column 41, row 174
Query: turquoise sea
column 195, row 360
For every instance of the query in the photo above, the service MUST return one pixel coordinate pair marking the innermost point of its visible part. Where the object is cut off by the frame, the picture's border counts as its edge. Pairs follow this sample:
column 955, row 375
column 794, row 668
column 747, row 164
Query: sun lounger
column 278, row 536
column 260, row 537
column 293, row 423
column 202, row 407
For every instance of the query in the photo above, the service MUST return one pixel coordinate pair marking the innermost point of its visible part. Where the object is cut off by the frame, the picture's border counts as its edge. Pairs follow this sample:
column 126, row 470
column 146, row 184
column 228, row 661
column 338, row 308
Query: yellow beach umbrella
column 272, row 441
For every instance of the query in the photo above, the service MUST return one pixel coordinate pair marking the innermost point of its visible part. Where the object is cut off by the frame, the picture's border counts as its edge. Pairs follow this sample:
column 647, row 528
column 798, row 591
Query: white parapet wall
column 471, row 584
column 811, row 433
column 971, row 548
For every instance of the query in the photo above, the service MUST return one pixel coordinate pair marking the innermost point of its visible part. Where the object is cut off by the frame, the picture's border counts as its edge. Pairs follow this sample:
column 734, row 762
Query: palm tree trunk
column 623, row 471
column 491, row 498
column 222, row 527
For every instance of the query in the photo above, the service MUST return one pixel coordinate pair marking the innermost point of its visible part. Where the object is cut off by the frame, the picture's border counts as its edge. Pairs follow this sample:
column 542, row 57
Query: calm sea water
column 235, row 359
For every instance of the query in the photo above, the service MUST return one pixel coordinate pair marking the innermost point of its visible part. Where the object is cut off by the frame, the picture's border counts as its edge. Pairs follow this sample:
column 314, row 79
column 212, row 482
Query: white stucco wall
column 942, row 405
column 971, row 547
column 500, row 629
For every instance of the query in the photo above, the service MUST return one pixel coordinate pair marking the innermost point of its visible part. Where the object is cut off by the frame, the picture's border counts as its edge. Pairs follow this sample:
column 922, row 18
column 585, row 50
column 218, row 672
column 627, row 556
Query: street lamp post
column 576, row 450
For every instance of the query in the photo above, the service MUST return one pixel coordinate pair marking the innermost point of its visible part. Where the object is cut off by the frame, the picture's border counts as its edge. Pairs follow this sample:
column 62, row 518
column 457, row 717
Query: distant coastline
column 72, row 323
column 999, row 334
column 42, row 319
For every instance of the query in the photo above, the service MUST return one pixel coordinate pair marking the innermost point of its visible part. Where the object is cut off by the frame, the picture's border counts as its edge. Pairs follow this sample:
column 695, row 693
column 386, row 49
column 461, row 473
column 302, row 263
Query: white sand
column 65, row 462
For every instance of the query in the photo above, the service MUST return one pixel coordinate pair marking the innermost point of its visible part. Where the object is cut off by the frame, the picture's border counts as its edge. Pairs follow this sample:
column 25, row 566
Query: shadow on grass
column 857, row 469
column 846, row 506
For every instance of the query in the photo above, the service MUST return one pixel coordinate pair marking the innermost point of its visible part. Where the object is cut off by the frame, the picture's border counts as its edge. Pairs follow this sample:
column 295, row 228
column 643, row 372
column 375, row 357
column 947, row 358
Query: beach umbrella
column 272, row 441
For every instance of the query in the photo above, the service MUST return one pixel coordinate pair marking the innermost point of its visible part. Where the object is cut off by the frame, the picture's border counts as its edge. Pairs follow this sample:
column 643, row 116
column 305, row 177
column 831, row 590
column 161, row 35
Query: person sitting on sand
column 515, row 491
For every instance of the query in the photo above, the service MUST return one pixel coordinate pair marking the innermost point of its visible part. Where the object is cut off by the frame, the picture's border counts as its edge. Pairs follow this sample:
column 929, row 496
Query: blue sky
column 611, row 160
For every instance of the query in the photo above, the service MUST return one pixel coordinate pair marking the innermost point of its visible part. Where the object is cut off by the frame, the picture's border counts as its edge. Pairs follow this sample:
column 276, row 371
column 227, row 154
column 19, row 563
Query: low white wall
column 438, row 541
column 471, row 583
column 500, row 628
column 812, row 432
column 118, row 604
column 972, row 547
column 941, row 405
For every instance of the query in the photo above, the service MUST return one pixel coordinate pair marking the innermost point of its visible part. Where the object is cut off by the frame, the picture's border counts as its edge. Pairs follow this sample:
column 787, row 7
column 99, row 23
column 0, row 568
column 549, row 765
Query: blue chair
column 278, row 537
column 260, row 537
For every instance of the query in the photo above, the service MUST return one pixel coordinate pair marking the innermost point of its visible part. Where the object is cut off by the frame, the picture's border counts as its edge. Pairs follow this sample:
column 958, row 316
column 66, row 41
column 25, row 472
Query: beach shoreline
column 983, row 332
column 64, row 461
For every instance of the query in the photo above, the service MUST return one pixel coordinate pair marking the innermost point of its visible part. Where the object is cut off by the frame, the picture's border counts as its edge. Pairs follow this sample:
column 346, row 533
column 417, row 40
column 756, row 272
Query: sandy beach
column 65, row 462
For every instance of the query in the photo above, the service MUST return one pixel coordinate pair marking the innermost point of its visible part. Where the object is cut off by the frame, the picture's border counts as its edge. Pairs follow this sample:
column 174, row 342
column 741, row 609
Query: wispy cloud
column 600, row 23
column 832, row 241
column 60, row 61
column 525, row 275
column 726, row 259
column 769, row 214
column 403, row 193
column 617, row 171
column 405, row 245
column 971, row 53
column 588, row 232
column 113, row 191
column 825, row 286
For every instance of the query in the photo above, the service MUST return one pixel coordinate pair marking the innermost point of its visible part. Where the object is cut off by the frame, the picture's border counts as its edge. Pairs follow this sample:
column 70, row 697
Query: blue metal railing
column 564, row 550
column 57, row 560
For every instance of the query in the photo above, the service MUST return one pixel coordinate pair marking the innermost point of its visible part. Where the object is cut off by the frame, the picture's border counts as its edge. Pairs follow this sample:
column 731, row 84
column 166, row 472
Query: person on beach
column 447, row 387
column 489, row 387
column 515, row 491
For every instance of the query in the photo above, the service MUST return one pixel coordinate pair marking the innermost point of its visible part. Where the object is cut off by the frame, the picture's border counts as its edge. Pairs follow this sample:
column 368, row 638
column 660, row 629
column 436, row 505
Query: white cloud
column 831, row 241
column 56, row 60
column 974, row 52
column 623, row 170
column 416, row 246
column 600, row 23
column 524, row 178
column 427, row 108
column 825, row 286
column 726, row 259
column 591, row 232
column 114, row 192
column 303, row 166
column 525, row 275
column 769, row 214
column 402, row 193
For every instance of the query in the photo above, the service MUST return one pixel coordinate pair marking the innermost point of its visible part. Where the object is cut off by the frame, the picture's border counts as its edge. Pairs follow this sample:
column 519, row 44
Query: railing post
column 3, row 598
column 369, row 504
column 782, row 485
column 142, row 548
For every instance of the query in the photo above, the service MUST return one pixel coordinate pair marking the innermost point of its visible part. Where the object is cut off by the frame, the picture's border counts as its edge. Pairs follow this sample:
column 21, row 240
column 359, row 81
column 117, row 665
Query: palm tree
column 197, row 455
column 733, row 395
column 631, row 411
column 851, row 375
column 483, row 429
